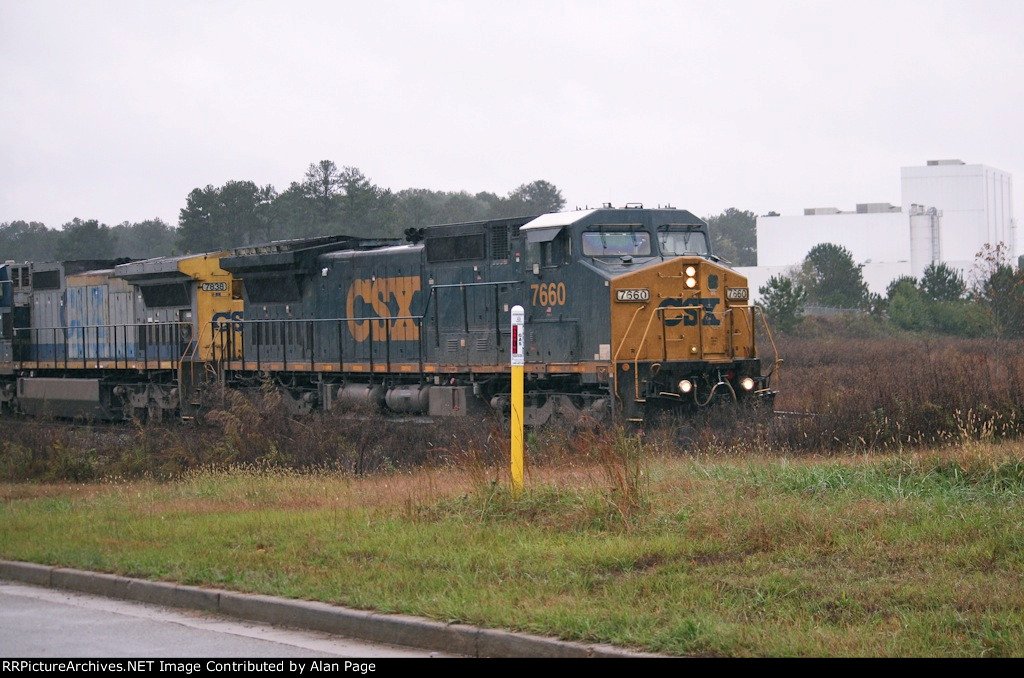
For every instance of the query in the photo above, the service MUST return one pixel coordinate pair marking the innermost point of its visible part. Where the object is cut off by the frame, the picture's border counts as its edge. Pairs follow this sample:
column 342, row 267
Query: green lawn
column 910, row 554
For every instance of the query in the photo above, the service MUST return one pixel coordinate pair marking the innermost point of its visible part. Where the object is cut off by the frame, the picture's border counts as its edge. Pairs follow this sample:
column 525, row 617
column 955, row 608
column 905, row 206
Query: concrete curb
column 313, row 616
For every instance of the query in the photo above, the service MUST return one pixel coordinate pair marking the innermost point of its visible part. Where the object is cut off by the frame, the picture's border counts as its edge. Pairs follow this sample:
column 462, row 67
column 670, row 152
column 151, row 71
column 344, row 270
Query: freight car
column 628, row 313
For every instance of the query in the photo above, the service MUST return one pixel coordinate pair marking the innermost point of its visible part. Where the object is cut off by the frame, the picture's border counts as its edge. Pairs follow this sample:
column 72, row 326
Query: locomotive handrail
column 748, row 320
column 105, row 348
column 622, row 344
column 615, row 358
column 771, row 339
column 702, row 312
column 226, row 345
column 660, row 313
column 222, row 348
column 640, row 347
column 478, row 284
column 197, row 342
column 465, row 310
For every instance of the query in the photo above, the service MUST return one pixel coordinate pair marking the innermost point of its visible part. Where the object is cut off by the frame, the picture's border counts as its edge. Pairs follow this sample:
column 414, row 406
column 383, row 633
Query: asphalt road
column 41, row 622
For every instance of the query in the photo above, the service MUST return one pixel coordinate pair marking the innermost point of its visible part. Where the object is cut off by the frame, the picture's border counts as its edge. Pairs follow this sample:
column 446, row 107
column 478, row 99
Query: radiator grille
column 499, row 242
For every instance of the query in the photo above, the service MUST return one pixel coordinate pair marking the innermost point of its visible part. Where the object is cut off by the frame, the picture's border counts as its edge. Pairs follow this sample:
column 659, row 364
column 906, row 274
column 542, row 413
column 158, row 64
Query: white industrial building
column 949, row 211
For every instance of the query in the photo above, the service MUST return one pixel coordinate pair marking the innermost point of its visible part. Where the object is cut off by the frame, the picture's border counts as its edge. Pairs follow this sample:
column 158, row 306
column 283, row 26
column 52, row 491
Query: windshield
column 682, row 241
column 616, row 243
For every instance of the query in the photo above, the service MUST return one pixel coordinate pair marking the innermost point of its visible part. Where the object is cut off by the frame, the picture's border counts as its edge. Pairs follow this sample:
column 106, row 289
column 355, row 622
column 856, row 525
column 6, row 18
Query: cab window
column 549, row 254
column 675, row 241
column 616, row 243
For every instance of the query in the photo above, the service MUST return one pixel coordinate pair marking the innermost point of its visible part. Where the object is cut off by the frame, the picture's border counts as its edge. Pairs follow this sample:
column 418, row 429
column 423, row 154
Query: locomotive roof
column 296, row 254
column 94, row 273
column 76, row 266
column 353, row 253
column 303, row 244
column 156, row 266
column 555, row 219
column 620, row 216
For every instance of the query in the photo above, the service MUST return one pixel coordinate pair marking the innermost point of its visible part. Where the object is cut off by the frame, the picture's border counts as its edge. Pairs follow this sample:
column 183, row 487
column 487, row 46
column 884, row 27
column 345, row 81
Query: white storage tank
column 925, row 238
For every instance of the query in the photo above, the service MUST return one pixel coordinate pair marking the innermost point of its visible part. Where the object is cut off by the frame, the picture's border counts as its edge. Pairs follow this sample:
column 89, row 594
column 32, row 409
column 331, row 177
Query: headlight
column 685, row 386
column 691, row 282
column 747, row 384
column 691, row 271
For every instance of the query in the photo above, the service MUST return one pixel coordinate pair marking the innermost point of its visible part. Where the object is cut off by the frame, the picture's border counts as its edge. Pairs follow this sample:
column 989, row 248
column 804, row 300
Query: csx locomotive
column 628, row 312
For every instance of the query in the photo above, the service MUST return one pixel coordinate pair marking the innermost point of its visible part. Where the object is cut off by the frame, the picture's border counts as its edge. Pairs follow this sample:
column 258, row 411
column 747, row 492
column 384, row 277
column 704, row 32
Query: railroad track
column 121, row 425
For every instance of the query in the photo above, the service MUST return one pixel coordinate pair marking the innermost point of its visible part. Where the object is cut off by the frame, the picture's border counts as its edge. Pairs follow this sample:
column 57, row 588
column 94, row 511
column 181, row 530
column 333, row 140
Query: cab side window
column 550, row 254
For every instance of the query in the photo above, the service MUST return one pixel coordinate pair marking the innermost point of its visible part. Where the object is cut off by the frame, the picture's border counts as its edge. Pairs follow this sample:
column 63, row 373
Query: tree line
column 332, row 200
column 941, row 301
column 328, row 200
column 85, row 239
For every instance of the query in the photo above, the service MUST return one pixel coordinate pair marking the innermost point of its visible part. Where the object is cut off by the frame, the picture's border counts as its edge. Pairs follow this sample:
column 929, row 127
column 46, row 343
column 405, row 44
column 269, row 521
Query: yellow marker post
column 518, row 362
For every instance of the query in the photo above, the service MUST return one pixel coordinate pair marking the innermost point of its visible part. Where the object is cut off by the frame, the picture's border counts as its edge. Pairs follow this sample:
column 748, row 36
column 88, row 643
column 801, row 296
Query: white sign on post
column 518, row 341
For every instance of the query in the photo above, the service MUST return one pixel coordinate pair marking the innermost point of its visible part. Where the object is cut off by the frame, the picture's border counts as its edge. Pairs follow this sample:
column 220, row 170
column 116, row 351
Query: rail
column 462, row 287
column 124, row 345
column 193, row 348
column 231, row 344
column 701, row 312
column 776, row 372
column 622, row 344
column 252, row 340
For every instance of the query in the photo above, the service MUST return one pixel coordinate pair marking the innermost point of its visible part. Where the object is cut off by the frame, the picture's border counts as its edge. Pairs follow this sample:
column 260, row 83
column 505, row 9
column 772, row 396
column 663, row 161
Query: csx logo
column 220, row 320
column 689, row 317
column 386, row 298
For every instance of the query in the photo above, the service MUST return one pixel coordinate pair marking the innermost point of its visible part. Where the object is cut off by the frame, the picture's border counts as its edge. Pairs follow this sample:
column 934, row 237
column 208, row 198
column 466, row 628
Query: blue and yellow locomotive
column 628, row 312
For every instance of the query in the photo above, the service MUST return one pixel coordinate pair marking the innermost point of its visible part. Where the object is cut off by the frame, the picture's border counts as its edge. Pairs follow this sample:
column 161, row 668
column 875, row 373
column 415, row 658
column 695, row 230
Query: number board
column 632, row 295
column 737, row 293
column 215, row 287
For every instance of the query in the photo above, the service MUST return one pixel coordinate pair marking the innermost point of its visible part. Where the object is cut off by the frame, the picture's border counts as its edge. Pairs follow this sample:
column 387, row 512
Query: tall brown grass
column 867, row 394
column 252, row 428
column 841, row 394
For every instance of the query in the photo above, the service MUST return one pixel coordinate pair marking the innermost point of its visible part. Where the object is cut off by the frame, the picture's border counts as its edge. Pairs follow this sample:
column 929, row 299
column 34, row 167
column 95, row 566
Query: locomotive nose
column 677, row 327
column 671, row 311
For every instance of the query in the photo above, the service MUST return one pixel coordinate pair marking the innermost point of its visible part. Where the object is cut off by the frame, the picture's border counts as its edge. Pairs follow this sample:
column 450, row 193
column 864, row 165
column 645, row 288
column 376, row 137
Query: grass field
column 894, row 553
column 888, row 521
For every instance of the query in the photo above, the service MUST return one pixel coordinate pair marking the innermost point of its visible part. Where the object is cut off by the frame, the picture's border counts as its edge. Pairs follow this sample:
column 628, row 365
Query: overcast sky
column 116, row 110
